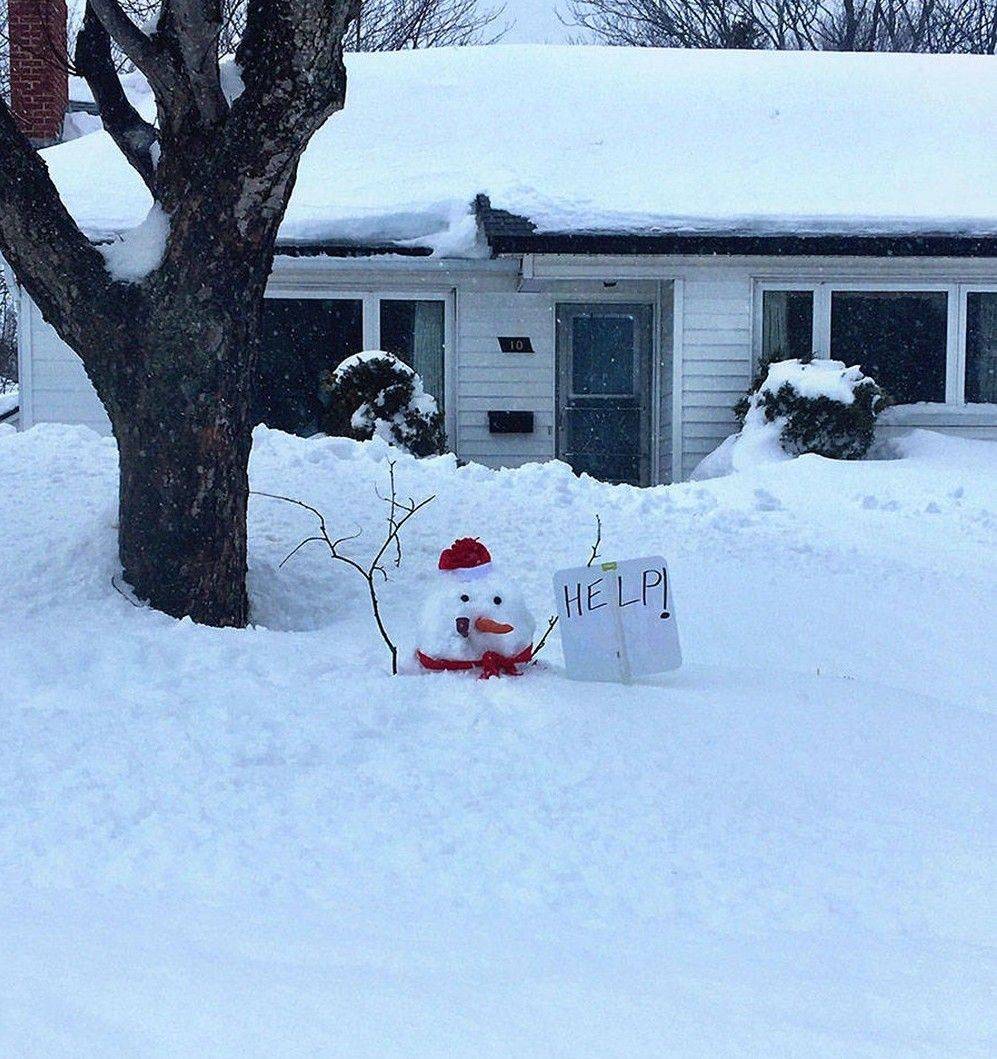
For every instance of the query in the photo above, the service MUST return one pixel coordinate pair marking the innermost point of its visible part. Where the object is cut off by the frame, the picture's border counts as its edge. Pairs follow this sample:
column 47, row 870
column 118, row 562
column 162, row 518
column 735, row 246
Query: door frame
column 650, row 412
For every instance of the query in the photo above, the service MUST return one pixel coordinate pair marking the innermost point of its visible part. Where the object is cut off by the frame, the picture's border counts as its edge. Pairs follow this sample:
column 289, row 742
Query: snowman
column 474, row 619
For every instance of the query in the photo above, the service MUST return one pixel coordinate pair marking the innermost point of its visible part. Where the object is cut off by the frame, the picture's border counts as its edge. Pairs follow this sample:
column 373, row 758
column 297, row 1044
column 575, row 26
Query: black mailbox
column 510, row 422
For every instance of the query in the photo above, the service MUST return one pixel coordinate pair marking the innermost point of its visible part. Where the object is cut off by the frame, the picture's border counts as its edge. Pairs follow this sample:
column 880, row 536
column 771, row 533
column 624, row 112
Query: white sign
column 617, row 620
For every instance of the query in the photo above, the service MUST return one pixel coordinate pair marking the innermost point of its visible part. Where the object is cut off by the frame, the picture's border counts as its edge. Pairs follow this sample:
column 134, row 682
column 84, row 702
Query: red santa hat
column 466, row 557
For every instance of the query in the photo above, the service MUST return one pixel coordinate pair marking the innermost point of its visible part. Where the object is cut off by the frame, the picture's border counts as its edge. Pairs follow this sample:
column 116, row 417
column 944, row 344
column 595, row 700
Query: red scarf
column 491, row 663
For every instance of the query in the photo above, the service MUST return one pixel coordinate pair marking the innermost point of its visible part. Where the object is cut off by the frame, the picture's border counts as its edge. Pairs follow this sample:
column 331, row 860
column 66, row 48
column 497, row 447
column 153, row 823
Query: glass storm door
column 604, row 390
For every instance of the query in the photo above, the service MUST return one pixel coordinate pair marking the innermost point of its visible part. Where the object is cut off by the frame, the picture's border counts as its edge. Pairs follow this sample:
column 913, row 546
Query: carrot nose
column 487, row 625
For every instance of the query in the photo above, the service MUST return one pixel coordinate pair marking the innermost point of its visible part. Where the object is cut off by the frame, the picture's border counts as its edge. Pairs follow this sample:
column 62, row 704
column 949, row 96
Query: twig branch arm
column 368, row 572
column 598, row 541
column 552, row 620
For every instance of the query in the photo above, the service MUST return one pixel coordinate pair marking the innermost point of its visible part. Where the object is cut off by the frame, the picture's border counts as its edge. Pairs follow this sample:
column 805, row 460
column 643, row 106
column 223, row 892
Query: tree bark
column 172, row 354
column 182, row 504
column 183, row 493
column 180, row 411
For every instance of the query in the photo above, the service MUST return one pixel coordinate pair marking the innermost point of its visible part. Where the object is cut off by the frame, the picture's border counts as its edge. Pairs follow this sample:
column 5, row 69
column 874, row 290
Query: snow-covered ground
column 218, row 842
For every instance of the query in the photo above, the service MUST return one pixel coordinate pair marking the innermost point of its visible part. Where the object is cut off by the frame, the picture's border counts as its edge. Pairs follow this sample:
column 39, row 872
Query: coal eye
column 497, row 600
column 465, row 599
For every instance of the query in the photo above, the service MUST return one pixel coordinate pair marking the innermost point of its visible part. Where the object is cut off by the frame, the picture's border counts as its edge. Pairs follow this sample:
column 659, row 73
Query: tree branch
column 552, row 620
column 374, row 567
column 129, row 38
column 133, row 135
column 192, row 28
column 61, row 270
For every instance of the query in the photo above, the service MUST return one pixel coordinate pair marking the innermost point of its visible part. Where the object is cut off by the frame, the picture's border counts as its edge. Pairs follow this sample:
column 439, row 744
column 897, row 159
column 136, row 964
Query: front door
column 604, row 390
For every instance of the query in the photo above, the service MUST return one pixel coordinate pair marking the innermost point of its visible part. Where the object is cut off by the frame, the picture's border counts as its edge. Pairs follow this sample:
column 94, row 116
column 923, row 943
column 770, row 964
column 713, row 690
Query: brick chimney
column 39, row 82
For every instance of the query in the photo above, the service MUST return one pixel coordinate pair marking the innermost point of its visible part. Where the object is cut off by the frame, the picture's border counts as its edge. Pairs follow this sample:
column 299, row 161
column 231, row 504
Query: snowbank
column 581, row 138
column 255, row 842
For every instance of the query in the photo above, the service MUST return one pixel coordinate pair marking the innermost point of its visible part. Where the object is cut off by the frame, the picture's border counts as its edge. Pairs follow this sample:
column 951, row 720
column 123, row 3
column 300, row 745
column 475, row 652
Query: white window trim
column 955, row 345
column 371, row 319
column 964, row 290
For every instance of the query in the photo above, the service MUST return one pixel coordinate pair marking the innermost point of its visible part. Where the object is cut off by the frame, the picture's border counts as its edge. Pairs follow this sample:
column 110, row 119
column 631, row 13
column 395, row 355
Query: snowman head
column 484, row 610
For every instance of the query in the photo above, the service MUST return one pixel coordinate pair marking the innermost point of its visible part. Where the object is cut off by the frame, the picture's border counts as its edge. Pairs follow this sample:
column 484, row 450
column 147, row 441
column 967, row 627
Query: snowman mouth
column 463, row 626
column 487, row 625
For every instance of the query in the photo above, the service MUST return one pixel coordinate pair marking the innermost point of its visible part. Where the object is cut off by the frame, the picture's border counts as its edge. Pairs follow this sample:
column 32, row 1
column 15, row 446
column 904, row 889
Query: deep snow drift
column 257, row 843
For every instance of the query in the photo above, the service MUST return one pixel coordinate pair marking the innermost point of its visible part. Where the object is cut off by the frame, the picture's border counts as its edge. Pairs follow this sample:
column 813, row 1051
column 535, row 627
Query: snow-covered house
column 584, row 250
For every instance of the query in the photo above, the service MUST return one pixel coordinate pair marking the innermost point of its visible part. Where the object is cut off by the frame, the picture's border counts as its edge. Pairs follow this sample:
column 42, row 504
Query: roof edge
column 830, row 245
column 510, row 233
column 342, row 248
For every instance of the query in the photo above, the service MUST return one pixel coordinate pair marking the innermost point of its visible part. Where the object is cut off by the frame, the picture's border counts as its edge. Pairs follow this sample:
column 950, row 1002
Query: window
column 981, row 347
column 898, row 337
column 413, row 332
column 301, row 339
column 787, row 324
column 604, row 348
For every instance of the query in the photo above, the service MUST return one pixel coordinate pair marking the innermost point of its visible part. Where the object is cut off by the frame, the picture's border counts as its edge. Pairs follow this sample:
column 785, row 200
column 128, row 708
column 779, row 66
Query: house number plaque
column 515, row 344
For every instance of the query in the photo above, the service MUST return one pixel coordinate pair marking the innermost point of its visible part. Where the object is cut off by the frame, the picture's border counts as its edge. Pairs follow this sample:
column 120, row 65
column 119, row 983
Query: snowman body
column 475, row 618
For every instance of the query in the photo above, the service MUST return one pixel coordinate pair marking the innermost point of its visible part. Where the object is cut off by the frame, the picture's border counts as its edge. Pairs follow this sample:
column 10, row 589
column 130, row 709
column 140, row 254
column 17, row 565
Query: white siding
column 713, row 331
column 716, row 344
column 488, row 379
column 718, row 339
column 57, row 390
column 715, row 323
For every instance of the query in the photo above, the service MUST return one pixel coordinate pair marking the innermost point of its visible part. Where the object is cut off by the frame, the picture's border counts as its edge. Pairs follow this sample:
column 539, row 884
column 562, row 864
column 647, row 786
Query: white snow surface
column 621, row 139
column 816, row 378
column 366, row 355
column 257, row 843
column 131, row 255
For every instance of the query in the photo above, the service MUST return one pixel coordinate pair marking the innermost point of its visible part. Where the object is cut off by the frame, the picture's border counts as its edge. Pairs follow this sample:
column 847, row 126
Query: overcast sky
column 535, row 21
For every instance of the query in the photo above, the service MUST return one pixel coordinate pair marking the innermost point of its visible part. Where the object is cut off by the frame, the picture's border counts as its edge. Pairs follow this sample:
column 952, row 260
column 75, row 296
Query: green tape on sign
column 609, row 566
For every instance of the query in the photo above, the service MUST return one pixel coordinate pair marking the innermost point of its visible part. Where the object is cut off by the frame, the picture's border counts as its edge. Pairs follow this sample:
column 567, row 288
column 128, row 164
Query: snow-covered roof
column 622, row 140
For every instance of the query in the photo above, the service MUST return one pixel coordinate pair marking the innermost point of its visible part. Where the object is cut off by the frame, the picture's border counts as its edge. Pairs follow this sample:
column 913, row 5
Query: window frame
column 756, row 331
column 965, row 289
column 371, row 297
column 618, row 310
column 955, row 334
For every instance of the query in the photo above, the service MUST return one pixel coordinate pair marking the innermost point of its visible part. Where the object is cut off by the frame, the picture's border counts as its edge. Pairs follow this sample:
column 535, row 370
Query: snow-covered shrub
column 799, row 406
column 818, row 405
column 375, row 394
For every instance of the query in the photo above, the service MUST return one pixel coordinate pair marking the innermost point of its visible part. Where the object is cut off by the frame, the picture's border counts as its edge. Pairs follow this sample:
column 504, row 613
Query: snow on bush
column 374, row 394
column 800, row 406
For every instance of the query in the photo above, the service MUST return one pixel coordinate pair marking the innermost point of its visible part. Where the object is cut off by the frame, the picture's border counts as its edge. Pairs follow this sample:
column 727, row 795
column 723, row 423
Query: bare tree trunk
column 183, row 493
column 171, row 352
column 180, row 407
